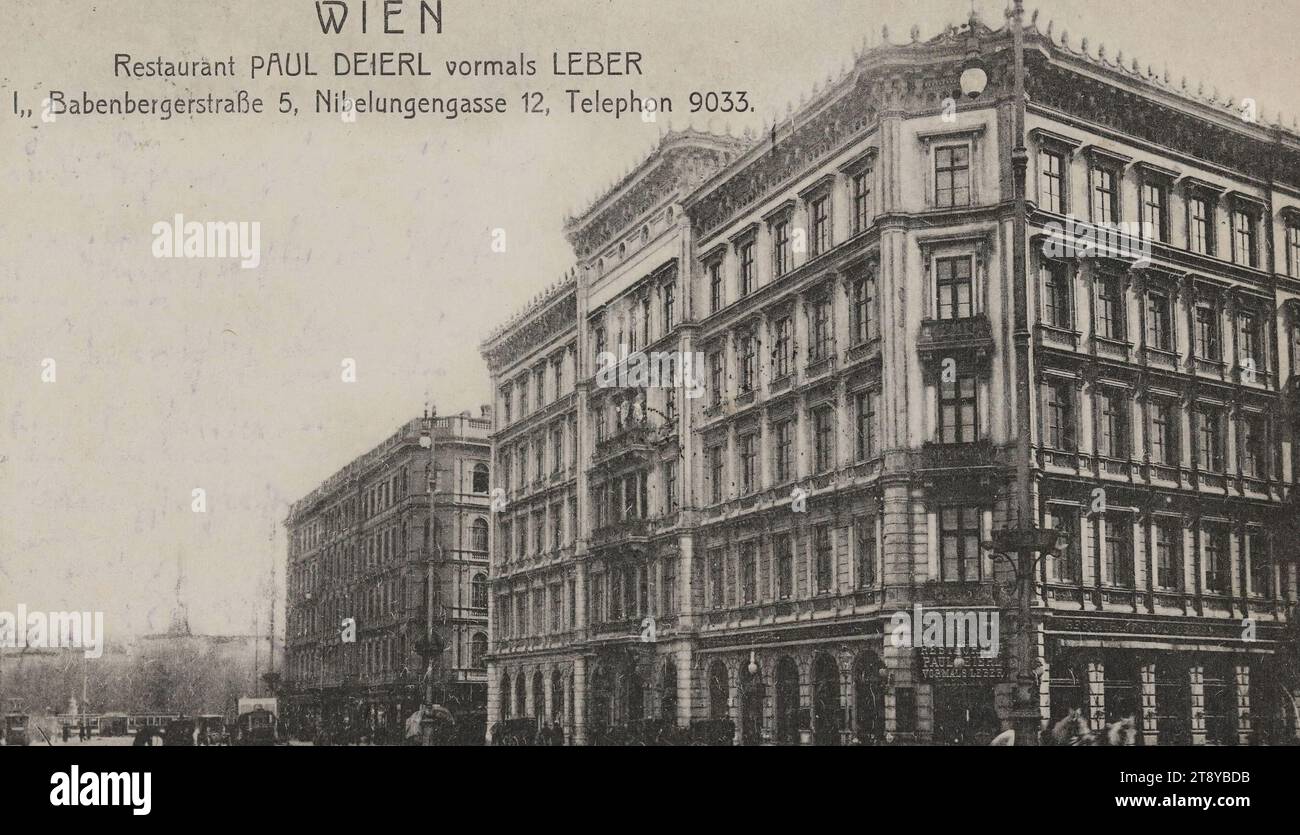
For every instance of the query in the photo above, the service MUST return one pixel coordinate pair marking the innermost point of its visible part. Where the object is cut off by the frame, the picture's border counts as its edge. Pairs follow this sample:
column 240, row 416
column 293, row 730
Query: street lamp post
column 430, row 647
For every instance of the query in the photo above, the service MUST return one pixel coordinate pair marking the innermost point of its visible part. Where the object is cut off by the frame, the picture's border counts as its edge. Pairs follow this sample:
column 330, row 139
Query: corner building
column 847, row 278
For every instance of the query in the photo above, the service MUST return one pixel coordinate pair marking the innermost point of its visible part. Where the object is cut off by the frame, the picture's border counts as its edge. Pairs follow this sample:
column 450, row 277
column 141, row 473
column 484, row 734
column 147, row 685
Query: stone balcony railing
column 941, row 337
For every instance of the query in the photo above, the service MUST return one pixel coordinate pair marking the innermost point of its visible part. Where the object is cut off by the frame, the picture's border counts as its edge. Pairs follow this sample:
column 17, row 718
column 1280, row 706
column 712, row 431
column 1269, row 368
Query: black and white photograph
column 910, row 375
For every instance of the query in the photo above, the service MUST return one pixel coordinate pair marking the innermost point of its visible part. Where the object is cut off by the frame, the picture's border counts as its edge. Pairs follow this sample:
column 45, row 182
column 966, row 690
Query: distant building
column 366, row 552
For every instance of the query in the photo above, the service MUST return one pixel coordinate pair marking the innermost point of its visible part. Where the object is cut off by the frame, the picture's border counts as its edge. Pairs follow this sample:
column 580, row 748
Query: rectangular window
column 557, row 527
column 1058, row 280
column 820, row 321
column 1155, row 214
column 820, row 212
column 715, row 286
column 1200, row 225
column 715, row 474
column 557, row 449
column 747, row 268
column 958, row 410
column 1207, row 333
column 952, row 286
column 749, row 573
column 557, row 609
column 864, row 407
column 1253, row 460
column 781, row 260
column 1164, row 432
column 825, row 557
column 1111, row 313
column 823, row 438
column 1064, row 566
column 670, row 486
column 1169, row 555
column 864, row 304
column 1209, row 439
column 1244, row 249
column 1051, row 182
column 668, row 300
column 1061, row 428
column 1218, row 560
column 716, row 589
column 781, row 349
column 748, row 459
column 864, row 541
column 952, row 176
column 783, row 449
column 1261, row 564
column 1249, row 358
column 748, row 362
column 716, row 378
column 783, row 550
column 1105, row 196
column 1112, row 408
column 1293, row 250
column 1160, row 331
column 1118, row 557
column 959, row 544
column 861, row 201
column 670, row 587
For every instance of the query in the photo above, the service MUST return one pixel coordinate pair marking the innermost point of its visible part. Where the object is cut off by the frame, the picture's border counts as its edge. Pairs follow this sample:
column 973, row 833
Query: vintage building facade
column 369, row 545
column 847, row 280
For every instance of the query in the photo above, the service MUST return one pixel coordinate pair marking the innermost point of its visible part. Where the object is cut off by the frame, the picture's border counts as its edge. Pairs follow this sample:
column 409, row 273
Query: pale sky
column 376, row 246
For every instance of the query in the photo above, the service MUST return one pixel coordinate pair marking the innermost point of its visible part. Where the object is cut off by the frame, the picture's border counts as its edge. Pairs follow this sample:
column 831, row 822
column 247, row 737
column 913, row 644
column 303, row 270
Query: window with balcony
column 823, row 421
column 1209, row 438
column 1117, row 557
column 1218, row 560
column 1113, row 428
column 864, row 544
column 1200, row 224
column 1160, row 320
column 478, row 538
column 1250, row 358
column 958, row 410
column 959, row 544
column 748, row 463
column 479, row 592
column 952, row 176
column 782, row 348
column 864, row 408
column 747, row 277
column 1245, row 249
column 1051, row 182
column 824, row 557
column 819, row 213
column 1061, row 422
column 1064, row 565
column 715, row 286
column 1058, row 296
column 1105, row 196
column 783, row 450
column 861, row 190
column 953, row 291
column 1111, row 314
column 1164, row 432
column 783, row 553
column 863, row 320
